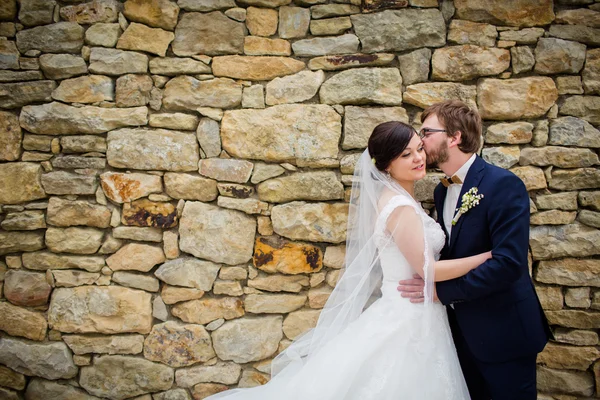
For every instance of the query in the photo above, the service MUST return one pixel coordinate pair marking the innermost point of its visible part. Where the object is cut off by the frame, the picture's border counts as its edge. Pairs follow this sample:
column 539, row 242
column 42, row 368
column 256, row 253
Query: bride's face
column 410, row 164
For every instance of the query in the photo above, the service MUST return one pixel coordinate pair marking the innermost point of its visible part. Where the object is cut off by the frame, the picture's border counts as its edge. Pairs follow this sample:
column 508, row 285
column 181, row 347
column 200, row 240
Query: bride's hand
column 488, row 255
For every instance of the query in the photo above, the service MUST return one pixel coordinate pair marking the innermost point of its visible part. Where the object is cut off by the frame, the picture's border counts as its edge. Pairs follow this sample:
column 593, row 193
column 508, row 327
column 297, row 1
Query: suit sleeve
column 508, row 219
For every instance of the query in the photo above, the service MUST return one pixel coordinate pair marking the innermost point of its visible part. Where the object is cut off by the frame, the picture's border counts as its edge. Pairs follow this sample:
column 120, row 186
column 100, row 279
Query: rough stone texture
column 60, row 119
column 207, row 310
column 554, row 56
column 377, row 85
column 36, row 12
column 255, row 68
column 270, row 134
column 155, row 13
column 136, row 37
column 318, row 222
column 503, row 157
column 322, row 46
column 571, row 131
column 211, row 34
column 564, row 241
column 85, row 89
column 399, row 30
column 301, row 186
column 338, row 62
column 9, row 55
column 460, row 63
column 205, row 232
column 579, row 33
column 20, row 182
column 226, row 169
column 18, row 321
column 529, row 13
column 14, row 95
column 360, row 122
column 188, row 272
column 107, row 309
column 152, row 149
column 61, row 66
column 92, row 12
column 190, row 187
column 178, row 345
column 11, row 379
column 294, row 88
column 26, row 288
column 50, row 360
column 222, row 372
column 248, row 339
column 591, row 72
column 467, row 32
column 136, row 257
column 117, row 62
column 172, row 66
column 149, row 213
column 14, row 242
column 278, row 255
column 515, row 98
column 273, row 303
column 185, row 93
column 113, row 344
column 584, row 107
column 425, row 94
column 522, row 59
column 293, row 22
column 39, row 389
column 122, row 188
column 62, row 37
column 44, row 260
column 68, row 213
column 573, row 179
column 133, row 90
column 121, row 377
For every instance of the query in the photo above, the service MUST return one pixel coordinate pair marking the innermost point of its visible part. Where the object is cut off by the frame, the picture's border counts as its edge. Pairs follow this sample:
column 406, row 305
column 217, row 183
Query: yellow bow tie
column 449, row 181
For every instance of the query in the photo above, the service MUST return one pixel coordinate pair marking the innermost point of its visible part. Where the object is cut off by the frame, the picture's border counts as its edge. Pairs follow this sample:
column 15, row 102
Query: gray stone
column 9, row 55
column 208, row 134
column 555, row 56
column 47, row 360
column 63, row 182
column 591, row 72
column 103, row 34
column 584, row 107
column 42, row 389
column 14, row 242
column 531, row 12
column 74, row 240
column 400, row 30
column 590, row 218
column 62, row 37
column 157, row 149
column 522, row 36
column 414, row 66
column 173, row 66
column 121, row 377
column 561, row 157
column 293, row 22
column 573, row 240
column 328, row 45
column 503, row 157
column 301, row 186
column 82, row 144
column 185, row 93
column 117, row 62
column 28, row 220
column 338, row 62
column 363, row 86
column 571, row 131
column 522, row 59
column 211, row 34
column 36, row 12
column 60, row 119
column 188, row 272
column 136, row 281
column 576, row 33
column 222, row 372
column 15, row 95
column 360, row 122
column 205, row 232
column 273, row 134
column 425, row 94
column 61, row 66
column 205, row 5
column 26, row 288
column 16, row 76
column 333, row 10
column 248, row 339
column 573, row 179
column 43, row 260
column 294, row 88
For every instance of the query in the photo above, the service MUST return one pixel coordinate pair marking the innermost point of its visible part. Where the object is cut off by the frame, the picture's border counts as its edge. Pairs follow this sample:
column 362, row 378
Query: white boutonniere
column 469, row 200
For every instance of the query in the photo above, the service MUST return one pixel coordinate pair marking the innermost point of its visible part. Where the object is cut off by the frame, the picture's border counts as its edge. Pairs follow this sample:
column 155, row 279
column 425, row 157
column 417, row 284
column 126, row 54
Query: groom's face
column 435, row 141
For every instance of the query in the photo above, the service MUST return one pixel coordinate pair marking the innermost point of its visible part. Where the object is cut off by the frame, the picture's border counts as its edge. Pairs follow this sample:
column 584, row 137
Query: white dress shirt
column 453, row 193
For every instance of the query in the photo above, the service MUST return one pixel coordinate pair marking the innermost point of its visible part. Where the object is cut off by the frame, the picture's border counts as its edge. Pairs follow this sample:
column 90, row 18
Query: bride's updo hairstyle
column 388, row 141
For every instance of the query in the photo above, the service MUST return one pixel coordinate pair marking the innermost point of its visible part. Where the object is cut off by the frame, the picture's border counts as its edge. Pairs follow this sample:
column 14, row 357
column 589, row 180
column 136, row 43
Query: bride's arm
column 406, row 228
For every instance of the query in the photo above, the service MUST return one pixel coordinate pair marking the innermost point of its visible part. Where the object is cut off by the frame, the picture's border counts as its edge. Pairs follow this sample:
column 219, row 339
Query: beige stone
column 206, row 5
column 44, row 260
column 584, row 107
column 103, row 34
column 293, row 22
column 294, row 88
column 590, row 199
column 261, row 21
column 255, row 68
column 555, row 56
column 107, row 309
column 576, row 337
column 279, row 283
column 120, row 377
column 553, row 217
column 249, row 206
column 113, row 344
column 571, row 382
column 136, row 257
column 465, row 62
column 531, row 12
column 298, row 221
column 176, row 121
column 136, row 281
column 61, row 66
column 72, row 278
column 522, row 59
column 425, row 94
column 136, row 37
column 74, row 240
column 377, row 85
column 133, row 90
column 206, row 310
column 123, row 188
column 226, row 169
column 573, row 179
column 208, row 33
column 321, row 46
column 522, row 36
column 18, row 321
column 591, row 72
column 248, row 339
column 85, row 89
column 234, row 190
column 36, row 12
column 10, row 136
column 580, row 16
column 298, row 322
column 301, row 186
column 222, row 372
column 265, row 3
column 259, row 46
column 360, row 122
column 578, row 297
column 564, row 241
column 467, row 32
column 78, row 212
column 273, row 134
column 204, row 390
column 205, row 231
column 60, row 119
column 566, row 201
column 142, row 234
column 15, row 95
column 190, row 187
column 63, row 182
column 499, row 99
column 569, row 85
column 178, row 345
column 117, row 62
column 532, row 177
column 330, row 26
column 188, row 272
column 273, row 303
column 82, row 144
column 155, row 13
column 561, row 157
column 263, row 171
column 24, row 221
column 185, row 93
column 174, row 294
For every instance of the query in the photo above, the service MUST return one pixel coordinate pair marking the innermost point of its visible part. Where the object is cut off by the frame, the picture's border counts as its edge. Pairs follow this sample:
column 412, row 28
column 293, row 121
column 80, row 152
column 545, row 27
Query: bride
column 390, row 348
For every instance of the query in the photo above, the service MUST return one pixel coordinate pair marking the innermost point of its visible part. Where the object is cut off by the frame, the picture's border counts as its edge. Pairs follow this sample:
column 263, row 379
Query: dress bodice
column 393, row 263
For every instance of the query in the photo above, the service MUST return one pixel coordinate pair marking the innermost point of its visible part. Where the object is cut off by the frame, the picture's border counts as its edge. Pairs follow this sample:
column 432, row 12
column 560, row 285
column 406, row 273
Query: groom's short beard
column 438, row 156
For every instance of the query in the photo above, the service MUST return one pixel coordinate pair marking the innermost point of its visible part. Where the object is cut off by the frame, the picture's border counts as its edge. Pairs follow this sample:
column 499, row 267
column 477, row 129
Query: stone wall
column 174, row 176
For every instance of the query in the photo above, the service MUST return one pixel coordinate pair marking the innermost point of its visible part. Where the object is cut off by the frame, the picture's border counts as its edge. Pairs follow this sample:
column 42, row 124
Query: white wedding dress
column 383, row 354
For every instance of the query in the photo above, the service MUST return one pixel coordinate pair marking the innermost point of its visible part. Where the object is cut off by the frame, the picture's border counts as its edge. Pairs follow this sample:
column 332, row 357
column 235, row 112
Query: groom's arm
column 508, row 218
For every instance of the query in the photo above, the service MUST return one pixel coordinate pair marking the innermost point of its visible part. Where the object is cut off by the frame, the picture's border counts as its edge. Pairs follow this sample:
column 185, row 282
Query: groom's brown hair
column 457, row 116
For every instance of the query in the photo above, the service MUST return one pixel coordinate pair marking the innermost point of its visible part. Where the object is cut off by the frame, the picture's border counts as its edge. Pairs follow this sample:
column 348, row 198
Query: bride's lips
column 419, row 167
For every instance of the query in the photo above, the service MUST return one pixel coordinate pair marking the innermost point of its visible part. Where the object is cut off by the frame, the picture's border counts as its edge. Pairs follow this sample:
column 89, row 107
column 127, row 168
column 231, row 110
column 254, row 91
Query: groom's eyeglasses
column 426, row 132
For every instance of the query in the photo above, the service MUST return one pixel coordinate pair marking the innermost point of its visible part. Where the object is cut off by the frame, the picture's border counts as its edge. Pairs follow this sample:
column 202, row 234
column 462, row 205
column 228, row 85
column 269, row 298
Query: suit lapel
column 439, row 208
column 471, row 180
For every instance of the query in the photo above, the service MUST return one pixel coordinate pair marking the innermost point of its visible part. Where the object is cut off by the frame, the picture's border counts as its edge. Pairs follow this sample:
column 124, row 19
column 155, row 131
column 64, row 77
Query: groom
column 496, row 319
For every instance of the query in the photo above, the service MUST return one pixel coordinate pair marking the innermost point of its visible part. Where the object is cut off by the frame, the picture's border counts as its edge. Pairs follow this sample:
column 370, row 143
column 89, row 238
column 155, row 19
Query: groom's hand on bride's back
column 413, row 289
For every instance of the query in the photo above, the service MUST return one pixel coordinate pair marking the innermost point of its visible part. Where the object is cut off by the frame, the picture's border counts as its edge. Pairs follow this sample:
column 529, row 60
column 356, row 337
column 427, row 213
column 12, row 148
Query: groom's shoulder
column 498, row 174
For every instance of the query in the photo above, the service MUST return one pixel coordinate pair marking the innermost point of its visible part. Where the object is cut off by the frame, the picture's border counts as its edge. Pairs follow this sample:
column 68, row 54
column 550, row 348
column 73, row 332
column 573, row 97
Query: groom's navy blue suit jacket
column 496, row 307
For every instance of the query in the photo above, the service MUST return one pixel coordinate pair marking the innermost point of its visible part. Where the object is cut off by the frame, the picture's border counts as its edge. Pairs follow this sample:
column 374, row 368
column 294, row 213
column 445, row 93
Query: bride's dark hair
column 388, row 141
